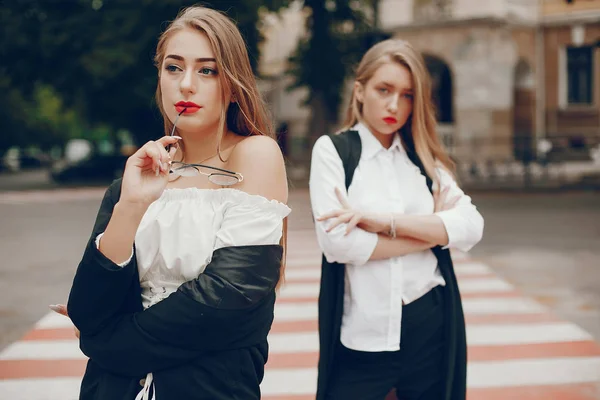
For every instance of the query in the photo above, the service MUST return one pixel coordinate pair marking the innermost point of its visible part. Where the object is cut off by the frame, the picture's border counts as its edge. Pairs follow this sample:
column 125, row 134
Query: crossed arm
column 344, row 232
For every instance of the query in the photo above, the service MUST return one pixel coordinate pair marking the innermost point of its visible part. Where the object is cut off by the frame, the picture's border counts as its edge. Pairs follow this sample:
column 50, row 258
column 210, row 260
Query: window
column 580, row 74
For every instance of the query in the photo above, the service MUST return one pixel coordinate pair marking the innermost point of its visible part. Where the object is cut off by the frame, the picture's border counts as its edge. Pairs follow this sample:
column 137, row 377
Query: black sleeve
column 100, row 287
column 228, row 306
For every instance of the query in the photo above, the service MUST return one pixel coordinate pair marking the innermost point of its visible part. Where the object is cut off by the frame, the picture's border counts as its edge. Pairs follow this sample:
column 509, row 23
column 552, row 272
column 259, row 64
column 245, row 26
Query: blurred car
column 96, row 168
column 16, row 159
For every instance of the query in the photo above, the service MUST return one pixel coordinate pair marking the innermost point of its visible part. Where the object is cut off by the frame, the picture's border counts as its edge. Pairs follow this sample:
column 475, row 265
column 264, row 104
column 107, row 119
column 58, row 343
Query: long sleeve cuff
column 124, row 263
column 464, row 228
column 355, row 248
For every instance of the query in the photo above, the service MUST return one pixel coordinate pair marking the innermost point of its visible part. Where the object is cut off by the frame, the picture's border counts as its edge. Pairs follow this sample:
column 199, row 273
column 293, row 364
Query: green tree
column 97, row 55
column 339, row 32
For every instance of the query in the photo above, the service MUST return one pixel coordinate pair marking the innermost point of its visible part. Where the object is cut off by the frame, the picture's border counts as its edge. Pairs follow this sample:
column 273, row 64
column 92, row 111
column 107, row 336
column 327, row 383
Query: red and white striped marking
column 517, row 348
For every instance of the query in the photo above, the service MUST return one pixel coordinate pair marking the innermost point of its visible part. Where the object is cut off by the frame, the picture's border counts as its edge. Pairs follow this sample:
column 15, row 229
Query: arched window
column 441, row 79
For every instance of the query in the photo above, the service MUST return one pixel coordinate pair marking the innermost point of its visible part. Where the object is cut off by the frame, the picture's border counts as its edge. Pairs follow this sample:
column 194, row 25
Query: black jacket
column 208, row 340
column 331, row 295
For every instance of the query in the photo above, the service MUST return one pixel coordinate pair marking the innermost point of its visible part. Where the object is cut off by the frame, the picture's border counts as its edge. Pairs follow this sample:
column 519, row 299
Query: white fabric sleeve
column 251, row 220
column 464, row 224
column 124, row 263
column 327, row 173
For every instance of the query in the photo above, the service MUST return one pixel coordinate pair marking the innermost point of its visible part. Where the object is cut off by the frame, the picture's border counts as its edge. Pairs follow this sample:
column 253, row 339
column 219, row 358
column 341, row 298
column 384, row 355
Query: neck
column 200, row 146
column 385, row 140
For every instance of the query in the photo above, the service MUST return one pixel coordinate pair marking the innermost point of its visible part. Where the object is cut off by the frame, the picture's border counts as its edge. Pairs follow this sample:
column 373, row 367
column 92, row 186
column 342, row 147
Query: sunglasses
column 218, row 176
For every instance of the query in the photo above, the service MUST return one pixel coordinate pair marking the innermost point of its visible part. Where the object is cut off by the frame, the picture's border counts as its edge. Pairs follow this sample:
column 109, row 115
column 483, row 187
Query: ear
column 359, row 91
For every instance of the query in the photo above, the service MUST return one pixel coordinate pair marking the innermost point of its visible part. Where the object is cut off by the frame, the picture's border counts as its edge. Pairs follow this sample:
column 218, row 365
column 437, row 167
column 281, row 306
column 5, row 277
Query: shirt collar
column 371, row 146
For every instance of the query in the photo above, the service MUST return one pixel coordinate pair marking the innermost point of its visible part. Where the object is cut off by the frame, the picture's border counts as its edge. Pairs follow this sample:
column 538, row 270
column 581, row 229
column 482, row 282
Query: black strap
column 349, row 148
column 409, row 145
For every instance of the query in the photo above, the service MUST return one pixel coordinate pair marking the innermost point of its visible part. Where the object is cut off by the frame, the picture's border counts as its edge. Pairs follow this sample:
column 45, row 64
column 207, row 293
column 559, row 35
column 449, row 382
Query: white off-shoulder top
column 179, row 232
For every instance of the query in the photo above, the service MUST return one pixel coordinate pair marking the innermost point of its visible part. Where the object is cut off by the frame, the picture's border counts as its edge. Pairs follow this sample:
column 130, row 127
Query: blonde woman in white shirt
column 387, row 209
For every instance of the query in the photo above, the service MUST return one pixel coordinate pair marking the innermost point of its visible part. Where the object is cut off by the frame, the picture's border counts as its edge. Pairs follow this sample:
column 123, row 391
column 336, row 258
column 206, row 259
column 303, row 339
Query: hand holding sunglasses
column 146, row 172
column 218, row 176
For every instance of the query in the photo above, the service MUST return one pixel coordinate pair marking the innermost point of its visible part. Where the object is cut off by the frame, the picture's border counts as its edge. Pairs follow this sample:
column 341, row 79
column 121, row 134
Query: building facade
column 507, row 74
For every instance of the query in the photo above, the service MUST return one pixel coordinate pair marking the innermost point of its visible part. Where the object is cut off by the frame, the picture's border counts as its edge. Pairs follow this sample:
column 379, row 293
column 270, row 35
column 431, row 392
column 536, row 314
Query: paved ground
column 530, row 291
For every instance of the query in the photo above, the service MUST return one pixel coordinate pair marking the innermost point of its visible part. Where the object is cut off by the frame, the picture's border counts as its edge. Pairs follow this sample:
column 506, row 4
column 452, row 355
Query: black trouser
column 415, row 371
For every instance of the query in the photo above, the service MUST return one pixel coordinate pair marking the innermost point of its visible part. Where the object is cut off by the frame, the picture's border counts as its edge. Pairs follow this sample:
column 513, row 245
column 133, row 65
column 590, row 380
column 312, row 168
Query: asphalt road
column 548, row 245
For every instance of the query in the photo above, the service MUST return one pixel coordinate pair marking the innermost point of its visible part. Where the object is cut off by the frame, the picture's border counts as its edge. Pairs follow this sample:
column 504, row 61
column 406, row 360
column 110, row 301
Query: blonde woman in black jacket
column 175, row 292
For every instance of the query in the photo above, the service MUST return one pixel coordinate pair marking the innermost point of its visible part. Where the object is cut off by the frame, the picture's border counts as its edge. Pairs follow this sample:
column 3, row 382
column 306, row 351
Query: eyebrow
column 201, row 59
column 391, row 85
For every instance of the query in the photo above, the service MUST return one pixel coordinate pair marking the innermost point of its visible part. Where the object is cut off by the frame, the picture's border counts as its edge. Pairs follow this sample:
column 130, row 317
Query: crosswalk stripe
column 516, row 347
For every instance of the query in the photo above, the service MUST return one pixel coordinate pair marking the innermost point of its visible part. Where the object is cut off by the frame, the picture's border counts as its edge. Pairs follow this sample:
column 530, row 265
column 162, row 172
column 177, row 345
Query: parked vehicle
column 97, row 168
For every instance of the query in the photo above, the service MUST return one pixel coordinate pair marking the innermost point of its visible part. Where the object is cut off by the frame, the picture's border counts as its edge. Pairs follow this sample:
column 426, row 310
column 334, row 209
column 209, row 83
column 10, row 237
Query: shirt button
column 142, row 382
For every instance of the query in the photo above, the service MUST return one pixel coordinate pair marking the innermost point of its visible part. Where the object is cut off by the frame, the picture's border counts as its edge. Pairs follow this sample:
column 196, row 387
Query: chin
column 198, row 123
column 386, row 129
column 191, row 125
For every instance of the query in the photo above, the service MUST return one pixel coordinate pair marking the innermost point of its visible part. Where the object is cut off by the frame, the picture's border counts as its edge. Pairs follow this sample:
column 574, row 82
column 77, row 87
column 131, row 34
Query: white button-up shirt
column 385, row 180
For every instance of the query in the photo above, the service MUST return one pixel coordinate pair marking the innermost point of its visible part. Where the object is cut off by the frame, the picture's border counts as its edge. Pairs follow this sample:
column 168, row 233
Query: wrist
column 131, row 209
column 391, row 226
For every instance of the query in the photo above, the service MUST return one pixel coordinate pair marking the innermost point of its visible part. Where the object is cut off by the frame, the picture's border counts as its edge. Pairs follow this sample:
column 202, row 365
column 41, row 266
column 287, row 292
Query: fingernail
column 177, row 137
column 156, row 171
column 55, row 307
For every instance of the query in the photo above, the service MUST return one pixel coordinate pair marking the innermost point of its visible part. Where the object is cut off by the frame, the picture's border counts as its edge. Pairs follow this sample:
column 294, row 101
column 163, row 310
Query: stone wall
column 482, row 58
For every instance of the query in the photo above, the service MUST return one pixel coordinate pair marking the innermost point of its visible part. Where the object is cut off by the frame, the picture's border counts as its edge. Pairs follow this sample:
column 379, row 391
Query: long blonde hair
column 421, row 125
column 248, row 115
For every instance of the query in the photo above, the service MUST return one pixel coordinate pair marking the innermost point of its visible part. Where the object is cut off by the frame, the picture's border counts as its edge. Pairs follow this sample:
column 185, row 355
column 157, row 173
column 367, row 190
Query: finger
column 151, row 151
column 165, row 159
column 445, row 191
column 330, row 214
column 342, row 219
column 167, row 140
column 453, row 202
column 172, row 152
column 353, row 223
column 341, row 198
column 59, row 308
column 169, row 143
column 163, row 153
column 443, row 196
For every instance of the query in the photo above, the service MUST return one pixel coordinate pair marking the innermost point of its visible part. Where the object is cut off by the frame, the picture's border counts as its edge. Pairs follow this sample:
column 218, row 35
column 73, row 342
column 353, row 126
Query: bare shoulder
column 259, row 160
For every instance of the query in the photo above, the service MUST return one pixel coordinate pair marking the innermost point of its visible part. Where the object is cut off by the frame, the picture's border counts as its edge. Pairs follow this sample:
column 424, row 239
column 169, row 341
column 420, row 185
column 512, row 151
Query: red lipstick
column 188, row 106
column 390, row 120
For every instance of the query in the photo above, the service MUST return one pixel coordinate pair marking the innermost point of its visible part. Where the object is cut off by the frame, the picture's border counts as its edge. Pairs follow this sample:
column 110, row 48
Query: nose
column 392, row 106
column 187, row 83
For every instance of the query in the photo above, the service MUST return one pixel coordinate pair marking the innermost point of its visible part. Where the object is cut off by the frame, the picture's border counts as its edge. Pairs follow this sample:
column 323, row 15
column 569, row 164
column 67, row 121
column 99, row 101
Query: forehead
column 395, row 74
column 190, row 44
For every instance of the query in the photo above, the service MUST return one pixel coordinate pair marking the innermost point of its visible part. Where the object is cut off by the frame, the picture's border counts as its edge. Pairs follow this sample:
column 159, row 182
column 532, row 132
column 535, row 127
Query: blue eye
column 172, row 68
column 383, row 90
column 408, row 95
column 207, row 71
